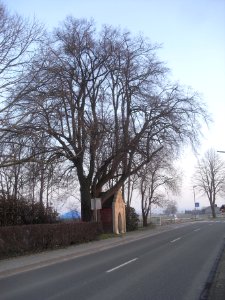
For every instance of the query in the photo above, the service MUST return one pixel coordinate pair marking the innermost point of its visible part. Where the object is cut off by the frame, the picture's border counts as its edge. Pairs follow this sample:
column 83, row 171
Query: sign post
column 95, row 205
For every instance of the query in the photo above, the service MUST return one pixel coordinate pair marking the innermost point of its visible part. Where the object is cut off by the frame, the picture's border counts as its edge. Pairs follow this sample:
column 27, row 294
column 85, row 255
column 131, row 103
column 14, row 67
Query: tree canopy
column 105, row 104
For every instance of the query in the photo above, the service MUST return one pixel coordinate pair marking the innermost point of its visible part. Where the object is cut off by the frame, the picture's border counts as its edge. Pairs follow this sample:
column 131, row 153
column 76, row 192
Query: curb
column 215, row 286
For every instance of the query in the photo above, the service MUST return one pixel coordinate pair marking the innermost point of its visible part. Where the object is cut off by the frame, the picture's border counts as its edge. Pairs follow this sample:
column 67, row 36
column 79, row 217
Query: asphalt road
column 170, row 265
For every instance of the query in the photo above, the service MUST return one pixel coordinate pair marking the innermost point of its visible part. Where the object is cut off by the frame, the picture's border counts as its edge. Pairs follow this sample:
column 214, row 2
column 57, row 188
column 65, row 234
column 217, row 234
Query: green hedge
column 18, row 240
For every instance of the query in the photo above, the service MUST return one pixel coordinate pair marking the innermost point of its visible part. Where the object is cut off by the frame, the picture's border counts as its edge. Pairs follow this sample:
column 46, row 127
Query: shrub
column 132, row 219
column 19, row 211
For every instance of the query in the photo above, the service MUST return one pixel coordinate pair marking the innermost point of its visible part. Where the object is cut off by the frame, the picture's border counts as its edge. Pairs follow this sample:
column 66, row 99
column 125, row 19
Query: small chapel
column 113, row 214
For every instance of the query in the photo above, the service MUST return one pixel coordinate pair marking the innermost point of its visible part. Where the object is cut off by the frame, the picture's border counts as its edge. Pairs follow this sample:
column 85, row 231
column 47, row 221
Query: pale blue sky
column 192, row 34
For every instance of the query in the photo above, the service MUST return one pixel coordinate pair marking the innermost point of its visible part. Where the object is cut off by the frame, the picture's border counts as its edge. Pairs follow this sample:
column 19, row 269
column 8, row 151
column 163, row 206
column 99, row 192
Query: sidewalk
column 217, row 288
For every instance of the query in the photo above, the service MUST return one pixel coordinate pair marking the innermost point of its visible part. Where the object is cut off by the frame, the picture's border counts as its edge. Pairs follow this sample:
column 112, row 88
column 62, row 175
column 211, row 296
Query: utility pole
column 194, row 199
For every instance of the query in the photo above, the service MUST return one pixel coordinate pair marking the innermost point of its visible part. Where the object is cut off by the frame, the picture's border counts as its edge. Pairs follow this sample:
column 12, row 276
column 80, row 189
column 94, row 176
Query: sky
column 192, row 35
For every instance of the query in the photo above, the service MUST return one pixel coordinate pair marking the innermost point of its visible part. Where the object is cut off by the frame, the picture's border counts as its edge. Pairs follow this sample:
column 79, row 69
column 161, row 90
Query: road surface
column 170, row 265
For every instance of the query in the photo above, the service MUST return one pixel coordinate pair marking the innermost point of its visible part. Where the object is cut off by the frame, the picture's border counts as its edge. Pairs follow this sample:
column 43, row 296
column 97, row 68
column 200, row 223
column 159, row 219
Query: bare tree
column 104, row 101
column 129, row 187
column 155, row 179
column 38, row 180
column 209, row 177
column 171, row 208
column 17, row 40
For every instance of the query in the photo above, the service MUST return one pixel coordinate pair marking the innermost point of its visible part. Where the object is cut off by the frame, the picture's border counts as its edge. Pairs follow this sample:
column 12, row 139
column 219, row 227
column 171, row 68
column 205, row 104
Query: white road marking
column 120, row 266
column 175, row 240
column 197, row 229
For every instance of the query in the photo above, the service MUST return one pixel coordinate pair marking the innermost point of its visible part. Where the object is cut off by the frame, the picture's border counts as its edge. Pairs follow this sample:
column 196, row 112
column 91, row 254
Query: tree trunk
column 213, row 211
column 41, row 194
column 145, row 219
column 128, row 192
column 85, row 195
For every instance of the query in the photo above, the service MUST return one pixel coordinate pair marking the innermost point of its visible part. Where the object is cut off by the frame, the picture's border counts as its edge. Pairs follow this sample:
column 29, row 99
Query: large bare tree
column 209, row 177
column 104, row 101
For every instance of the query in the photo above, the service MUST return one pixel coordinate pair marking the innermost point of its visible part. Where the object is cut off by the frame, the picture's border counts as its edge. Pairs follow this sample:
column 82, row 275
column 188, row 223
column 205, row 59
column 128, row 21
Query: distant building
column 222, row 208
column 208, row 210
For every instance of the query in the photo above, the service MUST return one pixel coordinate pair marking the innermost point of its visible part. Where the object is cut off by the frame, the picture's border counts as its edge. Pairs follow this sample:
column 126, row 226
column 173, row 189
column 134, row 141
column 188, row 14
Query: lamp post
column 194, row 199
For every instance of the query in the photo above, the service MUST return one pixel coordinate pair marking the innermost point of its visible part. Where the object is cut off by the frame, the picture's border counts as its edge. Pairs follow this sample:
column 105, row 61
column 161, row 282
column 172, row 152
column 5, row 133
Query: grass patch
column 150, row 226
column 105, row 236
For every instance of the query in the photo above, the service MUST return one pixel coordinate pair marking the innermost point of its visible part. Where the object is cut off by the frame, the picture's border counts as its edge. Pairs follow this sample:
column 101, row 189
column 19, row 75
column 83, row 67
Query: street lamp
column 194, row 199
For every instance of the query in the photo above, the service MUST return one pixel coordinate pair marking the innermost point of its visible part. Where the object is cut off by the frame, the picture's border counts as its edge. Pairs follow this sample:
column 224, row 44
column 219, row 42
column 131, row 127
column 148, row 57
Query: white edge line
column 175, row 240
column 122, row 265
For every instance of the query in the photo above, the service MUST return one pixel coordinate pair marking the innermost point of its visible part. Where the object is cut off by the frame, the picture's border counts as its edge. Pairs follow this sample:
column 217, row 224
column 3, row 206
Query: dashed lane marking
column 197, row 229
column 122, row 265
column 173, row 241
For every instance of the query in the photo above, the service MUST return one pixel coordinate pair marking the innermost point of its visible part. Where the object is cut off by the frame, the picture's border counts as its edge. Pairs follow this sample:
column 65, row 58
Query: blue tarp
column 73, row 214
